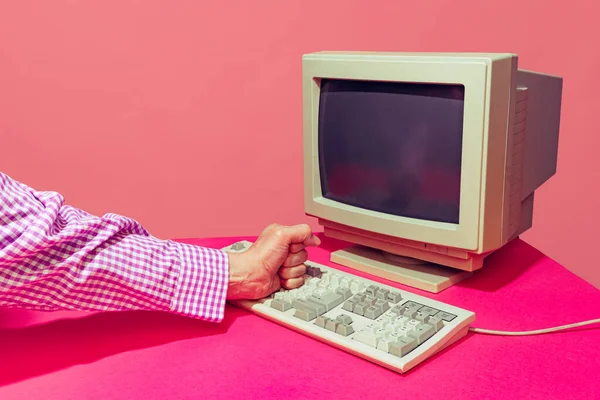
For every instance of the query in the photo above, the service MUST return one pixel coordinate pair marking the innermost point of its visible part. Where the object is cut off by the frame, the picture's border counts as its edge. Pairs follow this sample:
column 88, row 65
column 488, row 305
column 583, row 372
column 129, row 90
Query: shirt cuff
column 202, row 285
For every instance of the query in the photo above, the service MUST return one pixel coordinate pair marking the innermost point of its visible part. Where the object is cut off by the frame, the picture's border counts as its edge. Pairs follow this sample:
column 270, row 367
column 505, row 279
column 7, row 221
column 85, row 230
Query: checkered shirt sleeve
column 53, row 256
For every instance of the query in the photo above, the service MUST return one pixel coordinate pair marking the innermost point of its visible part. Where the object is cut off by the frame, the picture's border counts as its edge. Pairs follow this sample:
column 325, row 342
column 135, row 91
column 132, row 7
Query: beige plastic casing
column 510, row 141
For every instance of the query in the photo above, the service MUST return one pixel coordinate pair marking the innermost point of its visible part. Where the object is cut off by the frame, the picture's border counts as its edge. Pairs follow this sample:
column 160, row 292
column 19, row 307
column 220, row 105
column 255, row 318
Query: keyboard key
column 279, row 295
column 280, row 305
column 238, row 246
column 422, row 333
column 412, row 304
column 328, row 300
column 404, row 331
column 429, row 310
column 312, row 281
column 347, row 293
column 331, row 325
column 321, row 321
column 355, row 299
column 344, row 330
column 446, row 316
column 371, row 290
column 315, row 309
column 332, row 287
column 366, row 337
column 394, row 297
column 360, row 308
column 384, row 345
column 303, row 295
column 410, row 309
column 348, row 306
column 335, row 279
column 367, row 305
column 425, row 313
column 383, row 304
column 344, row 319
column 320, row 309
column 401, row 321
column 382, row 294
column 379, row 325
column 356, row 286
column 391, row 315
column 373, row 312
column 313, row 271
column 293, row 294
column 390, row 328
column 370, row 300
column 436, row 322
column 359, row 297
column 306, row 315
column 414, row 323
column 403, row 346
column 419, row 316
column 397, row 310
column 301, row 304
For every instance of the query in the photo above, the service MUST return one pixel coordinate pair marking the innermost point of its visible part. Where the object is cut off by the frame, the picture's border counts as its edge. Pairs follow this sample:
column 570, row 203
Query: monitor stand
column 408, row 271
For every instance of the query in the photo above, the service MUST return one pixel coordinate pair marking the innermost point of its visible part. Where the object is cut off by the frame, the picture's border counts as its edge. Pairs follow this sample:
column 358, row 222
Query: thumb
column 300, row 234
column 313, row 240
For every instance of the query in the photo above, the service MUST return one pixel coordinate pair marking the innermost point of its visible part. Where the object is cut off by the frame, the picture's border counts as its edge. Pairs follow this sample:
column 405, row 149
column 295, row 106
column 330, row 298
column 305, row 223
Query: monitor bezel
column 472, row 73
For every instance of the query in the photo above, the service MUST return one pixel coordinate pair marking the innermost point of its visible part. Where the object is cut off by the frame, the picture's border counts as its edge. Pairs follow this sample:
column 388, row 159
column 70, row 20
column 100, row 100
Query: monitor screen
column 392, row 147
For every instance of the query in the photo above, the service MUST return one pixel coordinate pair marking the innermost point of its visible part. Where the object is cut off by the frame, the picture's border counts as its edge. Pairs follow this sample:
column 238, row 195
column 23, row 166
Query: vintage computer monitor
column 426, row 162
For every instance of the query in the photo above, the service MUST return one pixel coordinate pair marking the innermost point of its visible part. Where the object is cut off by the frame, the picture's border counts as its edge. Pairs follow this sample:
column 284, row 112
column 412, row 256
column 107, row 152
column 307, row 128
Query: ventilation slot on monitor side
column 514, row 169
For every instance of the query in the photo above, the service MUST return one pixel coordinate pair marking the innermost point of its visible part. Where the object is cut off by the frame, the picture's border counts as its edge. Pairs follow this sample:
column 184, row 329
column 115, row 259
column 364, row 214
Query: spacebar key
column 307, row 311
column 329, row 301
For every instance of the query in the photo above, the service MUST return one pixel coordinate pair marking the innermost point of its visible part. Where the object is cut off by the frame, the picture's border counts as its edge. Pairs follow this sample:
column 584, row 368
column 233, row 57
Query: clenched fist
column 276, row 259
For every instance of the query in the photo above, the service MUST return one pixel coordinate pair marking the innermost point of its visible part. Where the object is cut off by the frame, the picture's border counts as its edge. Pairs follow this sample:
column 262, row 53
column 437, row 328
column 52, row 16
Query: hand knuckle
column 279, row 232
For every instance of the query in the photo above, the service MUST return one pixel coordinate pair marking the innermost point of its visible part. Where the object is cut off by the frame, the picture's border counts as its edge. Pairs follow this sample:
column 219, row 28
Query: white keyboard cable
column 535, row 332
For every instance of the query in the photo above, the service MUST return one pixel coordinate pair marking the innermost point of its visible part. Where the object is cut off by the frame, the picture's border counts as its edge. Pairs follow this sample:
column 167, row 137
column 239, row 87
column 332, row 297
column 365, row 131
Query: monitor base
column 405, row 270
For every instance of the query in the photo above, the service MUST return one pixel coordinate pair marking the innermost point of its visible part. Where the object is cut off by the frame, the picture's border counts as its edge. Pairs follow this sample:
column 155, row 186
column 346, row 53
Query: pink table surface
column 153, row 355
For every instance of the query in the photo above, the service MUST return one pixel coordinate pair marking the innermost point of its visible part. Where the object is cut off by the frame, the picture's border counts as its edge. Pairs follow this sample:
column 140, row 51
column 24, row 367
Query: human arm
column 53, row 256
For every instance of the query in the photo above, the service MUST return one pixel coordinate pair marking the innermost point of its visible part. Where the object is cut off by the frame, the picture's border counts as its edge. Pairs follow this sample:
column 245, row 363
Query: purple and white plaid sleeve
column 54, row 256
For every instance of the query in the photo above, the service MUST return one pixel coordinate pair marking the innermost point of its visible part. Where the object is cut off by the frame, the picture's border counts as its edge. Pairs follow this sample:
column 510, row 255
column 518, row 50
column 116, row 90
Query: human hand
column 274, row 260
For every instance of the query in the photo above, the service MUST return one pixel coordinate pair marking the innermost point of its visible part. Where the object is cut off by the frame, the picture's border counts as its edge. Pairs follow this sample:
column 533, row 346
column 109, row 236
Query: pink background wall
column 187, row 115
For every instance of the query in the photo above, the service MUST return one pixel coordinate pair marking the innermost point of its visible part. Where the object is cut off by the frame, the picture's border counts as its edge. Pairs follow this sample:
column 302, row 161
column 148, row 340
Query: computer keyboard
column 380, row 323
